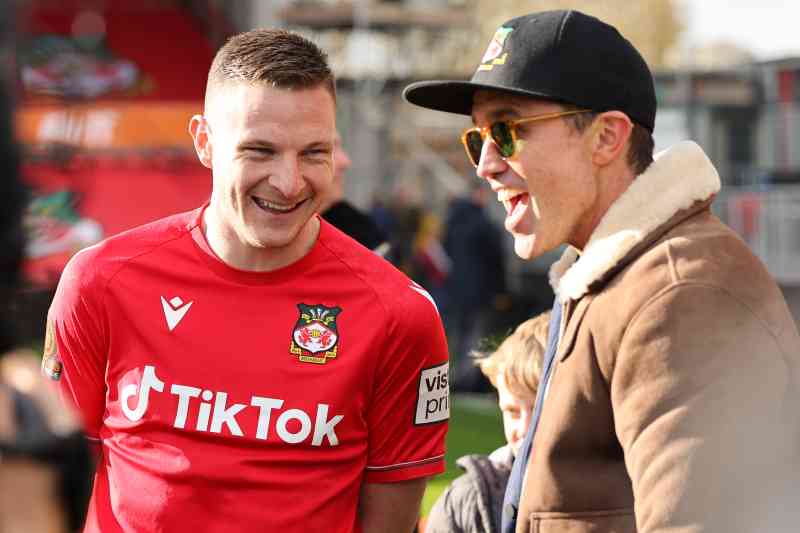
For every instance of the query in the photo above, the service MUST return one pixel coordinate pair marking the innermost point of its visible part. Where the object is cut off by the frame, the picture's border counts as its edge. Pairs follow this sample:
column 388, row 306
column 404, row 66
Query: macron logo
column 174, row 311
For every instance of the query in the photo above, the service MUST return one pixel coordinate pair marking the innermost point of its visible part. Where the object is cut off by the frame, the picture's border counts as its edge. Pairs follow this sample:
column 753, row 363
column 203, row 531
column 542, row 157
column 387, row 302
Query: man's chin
column 283, row 237
column 272, row 239
column 525, row 247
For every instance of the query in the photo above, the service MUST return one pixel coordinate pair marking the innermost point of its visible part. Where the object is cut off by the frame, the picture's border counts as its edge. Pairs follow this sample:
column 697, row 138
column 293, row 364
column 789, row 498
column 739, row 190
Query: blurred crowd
column 459, row 258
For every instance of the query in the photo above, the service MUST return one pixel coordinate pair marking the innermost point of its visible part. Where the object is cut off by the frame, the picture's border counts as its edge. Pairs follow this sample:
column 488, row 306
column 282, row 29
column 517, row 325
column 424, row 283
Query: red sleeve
column 76, row 343
column 410, row 408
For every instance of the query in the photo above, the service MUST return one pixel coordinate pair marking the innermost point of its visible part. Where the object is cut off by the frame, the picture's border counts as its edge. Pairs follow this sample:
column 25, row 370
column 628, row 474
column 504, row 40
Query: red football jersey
column 227, row 400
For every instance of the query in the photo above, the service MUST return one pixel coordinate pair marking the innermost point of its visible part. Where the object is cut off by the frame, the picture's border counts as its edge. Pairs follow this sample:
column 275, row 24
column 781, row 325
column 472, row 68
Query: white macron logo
column 174, row 311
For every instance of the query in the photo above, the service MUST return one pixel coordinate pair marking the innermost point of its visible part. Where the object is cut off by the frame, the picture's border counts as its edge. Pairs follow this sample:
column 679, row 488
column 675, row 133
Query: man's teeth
column 265, row 204
column 507, row 194
column 507, row 198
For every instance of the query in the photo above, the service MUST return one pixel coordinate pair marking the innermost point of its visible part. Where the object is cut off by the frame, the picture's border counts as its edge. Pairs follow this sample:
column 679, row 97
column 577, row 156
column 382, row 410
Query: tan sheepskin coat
column 674, row 405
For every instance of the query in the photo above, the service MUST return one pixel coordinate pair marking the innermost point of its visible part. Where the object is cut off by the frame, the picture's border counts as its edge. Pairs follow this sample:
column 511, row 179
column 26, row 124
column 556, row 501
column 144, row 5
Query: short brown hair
column 280, row 58
column 640, row 150
column 519, row 357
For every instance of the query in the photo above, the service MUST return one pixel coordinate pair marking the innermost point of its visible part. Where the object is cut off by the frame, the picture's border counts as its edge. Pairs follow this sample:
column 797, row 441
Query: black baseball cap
column 565, row 56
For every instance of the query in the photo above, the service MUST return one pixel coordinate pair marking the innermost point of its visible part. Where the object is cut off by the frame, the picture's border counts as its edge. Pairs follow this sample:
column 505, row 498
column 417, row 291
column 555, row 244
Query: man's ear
column 611, row 132
column 201, row 135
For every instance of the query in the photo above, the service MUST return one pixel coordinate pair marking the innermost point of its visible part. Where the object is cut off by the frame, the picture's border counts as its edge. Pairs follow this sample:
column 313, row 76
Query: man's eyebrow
column 248, row 144
column 502, row 112
column 324, row 145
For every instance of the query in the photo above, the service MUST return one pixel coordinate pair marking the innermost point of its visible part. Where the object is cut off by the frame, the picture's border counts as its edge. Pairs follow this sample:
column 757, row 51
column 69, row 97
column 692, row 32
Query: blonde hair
column 519, row 357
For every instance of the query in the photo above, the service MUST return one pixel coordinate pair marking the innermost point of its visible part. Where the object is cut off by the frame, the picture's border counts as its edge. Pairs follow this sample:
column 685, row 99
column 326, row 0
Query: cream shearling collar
column 679, row 177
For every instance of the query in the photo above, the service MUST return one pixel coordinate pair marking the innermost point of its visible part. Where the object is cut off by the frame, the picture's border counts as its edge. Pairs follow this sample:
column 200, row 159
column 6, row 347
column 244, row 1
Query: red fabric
column 165, row 43
column 229, row 355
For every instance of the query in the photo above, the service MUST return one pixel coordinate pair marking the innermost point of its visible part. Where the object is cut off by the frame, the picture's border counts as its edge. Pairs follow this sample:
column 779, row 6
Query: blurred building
column 746, row 117
column 376, row 48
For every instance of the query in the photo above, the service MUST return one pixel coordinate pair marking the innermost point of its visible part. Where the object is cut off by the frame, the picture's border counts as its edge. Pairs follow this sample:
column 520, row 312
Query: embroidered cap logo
column 492, row 56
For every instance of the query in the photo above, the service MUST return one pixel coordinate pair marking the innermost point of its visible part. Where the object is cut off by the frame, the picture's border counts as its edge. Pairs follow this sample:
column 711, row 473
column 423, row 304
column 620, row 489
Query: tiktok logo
column 149, row 381
column 211, row 412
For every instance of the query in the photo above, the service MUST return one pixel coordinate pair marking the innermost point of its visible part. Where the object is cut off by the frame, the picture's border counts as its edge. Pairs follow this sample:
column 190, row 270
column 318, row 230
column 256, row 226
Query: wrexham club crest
column 492, row 56
column 315, row 338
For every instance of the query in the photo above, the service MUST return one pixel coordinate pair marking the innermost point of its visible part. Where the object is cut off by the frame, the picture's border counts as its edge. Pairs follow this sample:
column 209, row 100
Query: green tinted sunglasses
column 503, row 134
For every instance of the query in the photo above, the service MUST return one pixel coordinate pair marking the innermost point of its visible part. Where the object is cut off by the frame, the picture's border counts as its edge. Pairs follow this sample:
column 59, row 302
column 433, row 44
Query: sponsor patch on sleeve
column 51, row 365
column 433, row 396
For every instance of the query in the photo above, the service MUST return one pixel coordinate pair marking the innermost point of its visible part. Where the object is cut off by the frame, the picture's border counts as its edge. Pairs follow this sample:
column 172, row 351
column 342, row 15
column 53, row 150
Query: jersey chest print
column 212, row 412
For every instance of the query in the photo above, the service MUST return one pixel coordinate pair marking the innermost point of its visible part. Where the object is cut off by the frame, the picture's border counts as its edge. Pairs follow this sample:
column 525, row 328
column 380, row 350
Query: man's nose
column 491, row 162
column 287, row 178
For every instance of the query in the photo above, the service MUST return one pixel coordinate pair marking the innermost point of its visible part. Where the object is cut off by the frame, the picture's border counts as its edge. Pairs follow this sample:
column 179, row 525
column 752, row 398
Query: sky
column 768, row 28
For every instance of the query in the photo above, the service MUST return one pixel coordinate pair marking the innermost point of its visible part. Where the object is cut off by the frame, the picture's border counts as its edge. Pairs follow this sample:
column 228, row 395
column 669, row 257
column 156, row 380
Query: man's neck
column 230, row 249
column 611, row 185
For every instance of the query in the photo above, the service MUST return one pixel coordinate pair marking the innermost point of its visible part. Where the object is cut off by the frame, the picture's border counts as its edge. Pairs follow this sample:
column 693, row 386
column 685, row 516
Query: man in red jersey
column 246, row 366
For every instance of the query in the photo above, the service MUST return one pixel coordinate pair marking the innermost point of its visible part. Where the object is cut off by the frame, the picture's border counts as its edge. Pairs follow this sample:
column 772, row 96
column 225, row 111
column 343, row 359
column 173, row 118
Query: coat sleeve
column 456, row 509
column 699, row 392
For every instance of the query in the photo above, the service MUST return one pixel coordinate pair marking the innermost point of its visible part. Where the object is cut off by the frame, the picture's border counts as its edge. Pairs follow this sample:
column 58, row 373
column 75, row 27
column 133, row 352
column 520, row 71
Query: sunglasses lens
column 474, row 144
column 501, row 135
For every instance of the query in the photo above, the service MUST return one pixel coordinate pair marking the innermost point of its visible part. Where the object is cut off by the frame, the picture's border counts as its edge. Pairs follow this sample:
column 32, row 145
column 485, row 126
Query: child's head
column 514, row 369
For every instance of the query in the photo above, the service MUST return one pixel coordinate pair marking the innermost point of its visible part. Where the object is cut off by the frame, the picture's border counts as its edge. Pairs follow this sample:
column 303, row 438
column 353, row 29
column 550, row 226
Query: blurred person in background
column 382, row 215
column 45, row 466
column 476, row 284
column 430, row 264
column 246, row 366
column 345, row 216
column 406, row 212
column 472, row 503
column 673, row 381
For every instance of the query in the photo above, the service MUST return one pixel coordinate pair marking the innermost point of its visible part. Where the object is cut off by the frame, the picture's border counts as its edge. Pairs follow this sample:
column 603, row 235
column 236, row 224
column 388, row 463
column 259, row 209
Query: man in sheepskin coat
column 669, row 397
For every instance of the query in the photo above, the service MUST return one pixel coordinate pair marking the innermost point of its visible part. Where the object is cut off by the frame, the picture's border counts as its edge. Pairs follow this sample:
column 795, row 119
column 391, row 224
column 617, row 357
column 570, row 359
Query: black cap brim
column 456, row 96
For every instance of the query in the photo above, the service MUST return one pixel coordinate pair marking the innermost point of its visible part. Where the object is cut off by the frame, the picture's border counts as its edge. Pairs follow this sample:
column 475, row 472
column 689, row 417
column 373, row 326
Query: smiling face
column 271, row 152
column 547, row 187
